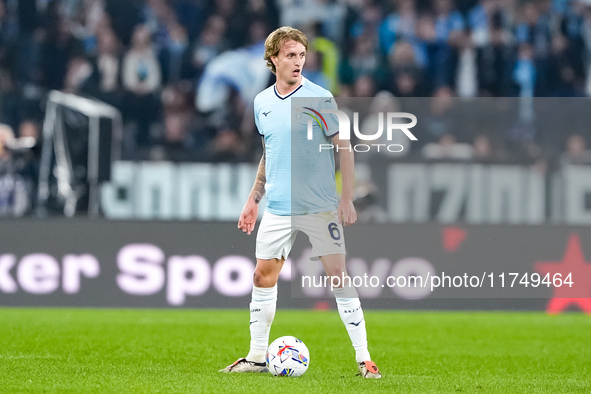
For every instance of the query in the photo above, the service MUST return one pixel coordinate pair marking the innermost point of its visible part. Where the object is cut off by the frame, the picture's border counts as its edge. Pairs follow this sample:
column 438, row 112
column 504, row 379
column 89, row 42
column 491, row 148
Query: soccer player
column 312, row 207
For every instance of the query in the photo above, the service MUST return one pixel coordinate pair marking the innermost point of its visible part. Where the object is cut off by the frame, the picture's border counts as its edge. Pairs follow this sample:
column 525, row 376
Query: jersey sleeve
column 257, row 110
column 332, row 122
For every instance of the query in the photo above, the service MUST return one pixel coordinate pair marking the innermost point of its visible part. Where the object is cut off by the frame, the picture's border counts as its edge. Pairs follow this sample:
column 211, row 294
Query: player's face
column 290, row 62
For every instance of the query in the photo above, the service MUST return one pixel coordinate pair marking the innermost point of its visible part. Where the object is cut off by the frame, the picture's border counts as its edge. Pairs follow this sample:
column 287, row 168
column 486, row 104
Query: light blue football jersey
column 300, row 176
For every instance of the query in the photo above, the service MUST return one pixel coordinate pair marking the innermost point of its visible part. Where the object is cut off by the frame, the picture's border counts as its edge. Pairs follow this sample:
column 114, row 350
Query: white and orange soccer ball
column 287, row 356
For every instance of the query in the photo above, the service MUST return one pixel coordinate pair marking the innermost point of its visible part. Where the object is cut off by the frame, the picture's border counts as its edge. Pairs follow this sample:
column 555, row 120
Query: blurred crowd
column 184, row 72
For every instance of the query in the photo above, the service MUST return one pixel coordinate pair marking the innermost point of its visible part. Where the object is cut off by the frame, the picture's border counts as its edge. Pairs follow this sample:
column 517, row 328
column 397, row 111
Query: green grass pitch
column 103, row 350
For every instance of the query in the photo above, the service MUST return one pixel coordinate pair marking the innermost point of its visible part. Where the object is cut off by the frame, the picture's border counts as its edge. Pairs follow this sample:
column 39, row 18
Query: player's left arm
column 346, row 210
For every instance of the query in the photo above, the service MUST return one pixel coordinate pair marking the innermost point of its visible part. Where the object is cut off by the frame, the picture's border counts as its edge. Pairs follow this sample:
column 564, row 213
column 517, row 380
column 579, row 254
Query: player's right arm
column 250, row 212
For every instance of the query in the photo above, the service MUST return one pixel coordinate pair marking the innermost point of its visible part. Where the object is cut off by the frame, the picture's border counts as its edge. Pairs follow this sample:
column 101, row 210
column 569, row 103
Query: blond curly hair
column 279, row 37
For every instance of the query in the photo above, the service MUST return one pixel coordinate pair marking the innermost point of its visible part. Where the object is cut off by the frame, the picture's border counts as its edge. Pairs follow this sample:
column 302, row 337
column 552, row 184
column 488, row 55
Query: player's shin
column 352, row 316
column 262, row 312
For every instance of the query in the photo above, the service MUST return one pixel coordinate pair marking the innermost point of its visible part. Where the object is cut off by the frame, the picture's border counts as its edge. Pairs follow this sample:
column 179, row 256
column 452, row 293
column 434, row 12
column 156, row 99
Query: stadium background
column 183, row 74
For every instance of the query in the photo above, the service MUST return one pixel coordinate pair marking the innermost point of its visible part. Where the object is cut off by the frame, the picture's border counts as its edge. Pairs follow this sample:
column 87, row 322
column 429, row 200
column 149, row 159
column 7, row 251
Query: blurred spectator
column 534, row 29
column 6, row 137
column 175, row 56
column 262, row 10
column 142, row 78
column 232, row 12
column 562, row 78
column 257, row 32
column 192, row 15
column 8, row 31
column 227, row 146
column 433, row 54
column 23, row 48
column 368, row 22
column 398, row 25
column 177, row 98
column 10, row 98
column 576, row 151
column 483, row 15
column 210, row 43
column 58, row 47
column 158, row 16
column 8, row 24
column 30, row 154
column 495, row 58
column 405, row 72
column 330, row 57
column 440, row 120
column 486, row 150
column 124, row 15
column 14, row 192
column 363, row 60
column 105, row 81
column 88, row 19
column 447, row 149
column 27, row 15
column 79, row 70
column 448, row 25
column 482, row 151
column 29, row 129
column 176, row 143
column 364, row 86
column 346, row 91
column 297, row 13
column 313, row 69
column 333, row 23
column 525, row 73
column 466, row 72
column 522, row 142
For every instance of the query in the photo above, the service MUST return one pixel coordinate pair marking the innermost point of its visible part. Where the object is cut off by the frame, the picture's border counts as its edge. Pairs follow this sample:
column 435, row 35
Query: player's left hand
column 346, row 212
column 248, row 217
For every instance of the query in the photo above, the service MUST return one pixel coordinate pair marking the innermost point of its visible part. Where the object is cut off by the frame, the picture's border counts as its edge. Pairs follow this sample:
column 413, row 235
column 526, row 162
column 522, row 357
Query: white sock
column 352, row 316
column 262, row 312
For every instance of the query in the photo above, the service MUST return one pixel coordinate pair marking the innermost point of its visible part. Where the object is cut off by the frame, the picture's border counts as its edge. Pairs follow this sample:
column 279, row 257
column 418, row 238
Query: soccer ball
column 287, row 356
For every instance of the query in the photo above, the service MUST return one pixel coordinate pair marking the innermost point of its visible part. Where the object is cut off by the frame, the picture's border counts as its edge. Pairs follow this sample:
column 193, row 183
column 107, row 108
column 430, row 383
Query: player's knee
column 261, row 279
column 336, row 272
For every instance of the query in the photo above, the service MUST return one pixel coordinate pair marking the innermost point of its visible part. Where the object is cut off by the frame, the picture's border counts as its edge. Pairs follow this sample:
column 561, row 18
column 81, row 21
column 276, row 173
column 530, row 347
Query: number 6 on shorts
column 333, row 228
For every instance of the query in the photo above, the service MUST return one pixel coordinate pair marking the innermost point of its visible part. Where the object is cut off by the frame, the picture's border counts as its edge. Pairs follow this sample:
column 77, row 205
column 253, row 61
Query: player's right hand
column 248, row 217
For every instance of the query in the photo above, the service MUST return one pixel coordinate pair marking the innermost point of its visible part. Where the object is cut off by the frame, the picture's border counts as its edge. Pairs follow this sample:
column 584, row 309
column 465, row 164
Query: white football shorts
column 277, row 234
